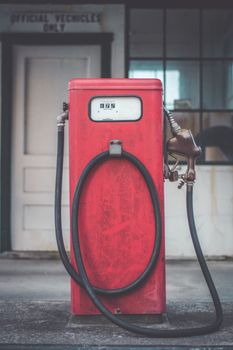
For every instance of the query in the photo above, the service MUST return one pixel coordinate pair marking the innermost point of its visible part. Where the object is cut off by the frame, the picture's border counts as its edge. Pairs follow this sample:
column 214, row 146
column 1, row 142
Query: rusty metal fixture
column 183, row 144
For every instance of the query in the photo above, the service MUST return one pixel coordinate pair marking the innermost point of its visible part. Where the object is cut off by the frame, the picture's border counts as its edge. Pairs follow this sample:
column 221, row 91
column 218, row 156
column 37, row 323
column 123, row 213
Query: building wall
column 213, row 191
column 213, row 196
column 35, row 230
column 213, row 205
column 112, row 20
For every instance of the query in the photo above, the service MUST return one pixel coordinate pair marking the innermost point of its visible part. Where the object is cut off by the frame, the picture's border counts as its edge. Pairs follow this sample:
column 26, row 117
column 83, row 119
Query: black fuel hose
column 82, row 278
column 58, row 222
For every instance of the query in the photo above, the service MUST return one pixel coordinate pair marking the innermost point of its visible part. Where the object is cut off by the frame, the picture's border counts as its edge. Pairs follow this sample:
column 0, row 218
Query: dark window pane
column 146, row 33
column 187, row 120
column 217, row 85
column 182, row 33
column 146, row 69
column 182, row 85
column 217, row 137
column 217, row 33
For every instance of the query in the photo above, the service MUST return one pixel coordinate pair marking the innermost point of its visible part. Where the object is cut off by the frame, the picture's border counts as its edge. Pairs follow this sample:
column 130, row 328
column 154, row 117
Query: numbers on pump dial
column 115, row 108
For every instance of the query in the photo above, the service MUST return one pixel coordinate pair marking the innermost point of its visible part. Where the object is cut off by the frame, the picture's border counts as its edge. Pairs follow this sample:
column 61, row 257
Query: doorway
column 40, row 80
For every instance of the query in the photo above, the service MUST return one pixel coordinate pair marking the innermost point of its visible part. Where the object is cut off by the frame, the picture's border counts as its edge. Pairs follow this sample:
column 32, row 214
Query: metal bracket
column 115, row 148
column 61, row 119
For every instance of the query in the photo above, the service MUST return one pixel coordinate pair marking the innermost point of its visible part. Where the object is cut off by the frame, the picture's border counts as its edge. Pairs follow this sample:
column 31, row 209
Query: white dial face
column 116, row 108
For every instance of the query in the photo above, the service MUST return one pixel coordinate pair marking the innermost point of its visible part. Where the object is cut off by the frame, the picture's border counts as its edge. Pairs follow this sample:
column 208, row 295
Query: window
column 173, row 86
column 146, row 69
column 191, row 52
column 140, row 69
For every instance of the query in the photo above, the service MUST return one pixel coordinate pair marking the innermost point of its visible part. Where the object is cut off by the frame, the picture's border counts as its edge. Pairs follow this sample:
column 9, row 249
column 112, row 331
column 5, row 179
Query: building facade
column 44, row 45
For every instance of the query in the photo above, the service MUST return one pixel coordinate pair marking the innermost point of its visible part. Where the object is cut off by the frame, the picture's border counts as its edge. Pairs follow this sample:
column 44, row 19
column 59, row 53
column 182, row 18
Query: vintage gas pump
column 116, row 190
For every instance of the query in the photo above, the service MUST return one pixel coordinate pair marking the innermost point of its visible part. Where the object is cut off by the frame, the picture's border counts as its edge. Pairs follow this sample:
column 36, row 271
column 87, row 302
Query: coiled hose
column 82, row 278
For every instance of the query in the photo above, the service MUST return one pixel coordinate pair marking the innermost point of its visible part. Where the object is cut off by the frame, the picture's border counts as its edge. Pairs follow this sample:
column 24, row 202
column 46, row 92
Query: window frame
column 200, row 59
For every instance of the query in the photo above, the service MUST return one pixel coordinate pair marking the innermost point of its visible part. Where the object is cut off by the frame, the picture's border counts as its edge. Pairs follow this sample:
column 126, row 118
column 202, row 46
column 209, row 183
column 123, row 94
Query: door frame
column 8, row 41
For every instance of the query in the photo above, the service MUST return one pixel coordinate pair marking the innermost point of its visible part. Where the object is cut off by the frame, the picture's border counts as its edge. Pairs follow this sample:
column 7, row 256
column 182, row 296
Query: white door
column 41, row 75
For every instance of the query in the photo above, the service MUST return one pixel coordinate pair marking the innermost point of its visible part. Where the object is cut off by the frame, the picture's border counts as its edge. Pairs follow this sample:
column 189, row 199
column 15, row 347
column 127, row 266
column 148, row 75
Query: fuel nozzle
column 183, row 144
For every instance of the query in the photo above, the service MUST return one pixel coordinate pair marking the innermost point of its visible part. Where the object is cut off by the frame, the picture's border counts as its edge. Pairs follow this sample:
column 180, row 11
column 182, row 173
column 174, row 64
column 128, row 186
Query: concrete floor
column 34, row 308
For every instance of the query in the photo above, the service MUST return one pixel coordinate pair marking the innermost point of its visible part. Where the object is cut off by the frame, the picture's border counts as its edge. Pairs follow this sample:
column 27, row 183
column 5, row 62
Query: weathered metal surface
column 116, row 218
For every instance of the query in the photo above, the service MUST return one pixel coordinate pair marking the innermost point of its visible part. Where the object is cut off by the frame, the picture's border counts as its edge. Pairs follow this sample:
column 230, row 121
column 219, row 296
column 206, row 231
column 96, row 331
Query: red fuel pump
column 117, row 232
column 116, row 191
